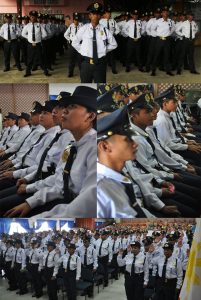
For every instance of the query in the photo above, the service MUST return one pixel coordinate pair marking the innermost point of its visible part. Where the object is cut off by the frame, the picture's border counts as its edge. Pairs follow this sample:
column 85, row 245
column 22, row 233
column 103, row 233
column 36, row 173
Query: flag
column 191, row 289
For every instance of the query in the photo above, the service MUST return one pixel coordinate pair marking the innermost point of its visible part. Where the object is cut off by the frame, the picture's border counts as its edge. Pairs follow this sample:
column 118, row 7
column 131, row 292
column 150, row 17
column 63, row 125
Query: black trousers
column 9, row 274
column 104, row 262
column 5, row 184
column 51, row 284
column 34, row 57
column 111, row 59
column 11, row 47
column 162, row 45
column 70, row 284
column 36, row 277
column 133, row 50
column 93, row 72
column 114, row 265
column 190, row 155
column 134, row 286
column 179, row 55
column 189, row 49
column 20, row 278
column 151, row 51
column 166, row 291
column 74, row 57
column 46, row 53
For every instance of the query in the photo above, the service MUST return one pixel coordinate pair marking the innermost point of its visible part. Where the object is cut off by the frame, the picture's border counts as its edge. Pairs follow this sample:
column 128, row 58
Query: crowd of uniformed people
column 48, row 158
column 156, row 39
column 149, row 153
column 154, row 260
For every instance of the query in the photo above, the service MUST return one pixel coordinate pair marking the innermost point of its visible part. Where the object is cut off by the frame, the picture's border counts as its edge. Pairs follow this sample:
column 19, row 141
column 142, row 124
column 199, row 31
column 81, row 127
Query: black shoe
column 47, row 74
column 153, row 73
column 18, row 292
column 114, row 72
column 39, row 295
column 70, row 75
column 27, row 74
column 20, row 69
column 13, row 288
column 105, row 284
column 147, row 70
column 141, row 69
column 127, row 70
column 6, row 70
column 51, row 69
column 170, row 73
column 195, row 72
column 178, row 72
column 34, row 295
column 34, row 68
column 23, row 292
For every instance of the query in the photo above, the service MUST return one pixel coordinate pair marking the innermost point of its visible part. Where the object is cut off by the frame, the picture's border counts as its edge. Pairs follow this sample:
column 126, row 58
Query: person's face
column 182, row 18
column 71, row 251
column 135, row 17
column 17, row 245
column 157, row 15
column 165, row 14
column 118, row 96
column 34, row 119
column 50, row 248
column 94, row 18
column 57, row 115
column 46, row 119
column 146, row 248
column 144, row 118
column 33, row 19
column 170, row 106
column 135, row 250
column 154, row 112
column 107, row 15
column 76, row 117
column 10, row 122
column 121, row 148
column 22, row 122
column 167, row 252
column 76, row 22
column 86, row 244
column 9, row 20
column 190, row 18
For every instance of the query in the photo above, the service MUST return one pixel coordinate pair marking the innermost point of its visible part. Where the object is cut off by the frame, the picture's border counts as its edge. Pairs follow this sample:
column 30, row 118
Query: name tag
column 91, row 61
column 34, row 44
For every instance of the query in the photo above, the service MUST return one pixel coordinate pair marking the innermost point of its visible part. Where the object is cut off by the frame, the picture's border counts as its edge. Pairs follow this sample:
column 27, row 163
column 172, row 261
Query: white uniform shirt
column 19, row 258
column 183, row 29
column 52, row 260
column 128, row 29
column 13, row 31
column 71, row 31
column 91, row 255
column 113, row 25
column 18, row 138
column 103, row 248
column 40, row 33
column 141, row 264
column 75, row 264
column 105, row 41
column 150, row 27
column 163, row 28
column 8, row 254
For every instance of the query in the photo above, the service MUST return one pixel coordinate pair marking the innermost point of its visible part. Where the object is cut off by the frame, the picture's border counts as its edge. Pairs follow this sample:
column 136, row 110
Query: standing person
column 9, row 33
column 69, row 35
column 48, row 263
column 170, row 274
column 93, row 42
column 113, row 27
column 136, row 272
column 35, row 258
column 163, row 27
column 188, row 30
column 7, row 260
column 71, row 267
column 34, row 33
column 133, row 29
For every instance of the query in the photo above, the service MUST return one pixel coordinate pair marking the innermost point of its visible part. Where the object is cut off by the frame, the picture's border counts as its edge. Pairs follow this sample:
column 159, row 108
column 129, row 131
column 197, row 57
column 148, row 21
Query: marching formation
column 153, row 260
column 149, row 40
column 149, row 153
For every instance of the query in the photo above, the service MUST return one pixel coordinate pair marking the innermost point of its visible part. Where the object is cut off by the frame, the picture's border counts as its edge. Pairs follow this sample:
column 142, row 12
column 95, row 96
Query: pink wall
column 68, row 8
column 8, row 6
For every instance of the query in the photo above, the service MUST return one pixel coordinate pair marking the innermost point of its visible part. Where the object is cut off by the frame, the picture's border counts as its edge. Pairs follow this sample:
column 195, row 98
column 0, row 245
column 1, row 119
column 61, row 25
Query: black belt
column 9, row 41
column 91, row 61
column 135, row 274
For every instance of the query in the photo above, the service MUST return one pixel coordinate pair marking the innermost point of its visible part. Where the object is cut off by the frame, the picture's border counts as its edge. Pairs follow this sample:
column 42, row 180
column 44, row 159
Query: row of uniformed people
column 161, row 164
column 54, row 173
column 34, row 42
column 143, row 260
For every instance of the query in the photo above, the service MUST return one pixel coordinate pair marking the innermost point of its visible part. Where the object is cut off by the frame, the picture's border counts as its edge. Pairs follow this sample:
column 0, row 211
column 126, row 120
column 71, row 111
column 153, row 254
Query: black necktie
column 108, row 25
column 75, row 29
column 156, row 135
column 9, row 35
column 16, row 256
column 33, row 33
column 164, row 268
column 176, row 131
column 31, row 256
column 95, row 51
column 135, row 30
column 68, row 264
column 25, row 139
column 5, row 253
column 131, row 195
column 191, row 33
column 133, row 266
column 7, row 137
column 38, row 175
column 100, row 248
column 27, row 153
column 66, row 173
column 179, row 122
column 113, row 246
column 85, row 257
column 46, row 261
